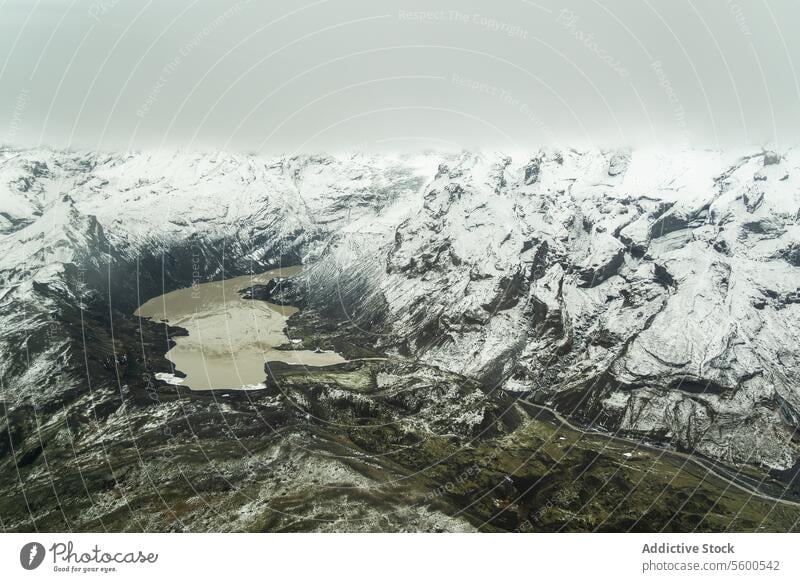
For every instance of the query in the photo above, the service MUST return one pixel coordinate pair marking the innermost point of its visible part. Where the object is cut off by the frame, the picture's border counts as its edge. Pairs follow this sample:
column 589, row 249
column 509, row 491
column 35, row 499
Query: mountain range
column 652, row 295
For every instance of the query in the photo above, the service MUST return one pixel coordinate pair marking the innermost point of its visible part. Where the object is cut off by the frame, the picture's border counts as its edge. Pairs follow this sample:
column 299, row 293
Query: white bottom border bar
column 354, row 557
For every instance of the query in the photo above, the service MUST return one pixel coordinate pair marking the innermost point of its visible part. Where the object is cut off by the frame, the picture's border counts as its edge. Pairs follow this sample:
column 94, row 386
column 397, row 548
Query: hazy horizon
column 331, row 76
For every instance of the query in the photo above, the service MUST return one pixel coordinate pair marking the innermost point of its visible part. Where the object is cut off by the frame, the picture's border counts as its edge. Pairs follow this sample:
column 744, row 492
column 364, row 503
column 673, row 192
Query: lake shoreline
column 229, row 337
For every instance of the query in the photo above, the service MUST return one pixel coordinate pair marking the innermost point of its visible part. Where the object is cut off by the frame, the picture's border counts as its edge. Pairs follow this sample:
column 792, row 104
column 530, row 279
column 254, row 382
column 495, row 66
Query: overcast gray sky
column 333, row 75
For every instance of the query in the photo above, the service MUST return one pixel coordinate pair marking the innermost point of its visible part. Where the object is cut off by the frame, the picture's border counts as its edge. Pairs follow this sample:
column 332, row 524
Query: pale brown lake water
column 230, row 338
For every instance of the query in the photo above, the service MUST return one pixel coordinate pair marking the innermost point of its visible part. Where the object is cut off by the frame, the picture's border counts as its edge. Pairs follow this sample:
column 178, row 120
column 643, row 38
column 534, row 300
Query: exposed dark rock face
column 532, row 170
column 509, row 291
column 675, row 219
column 597, row 273
column 663, row 276
column 618, row 163
column 279, row 291
column 791, row 254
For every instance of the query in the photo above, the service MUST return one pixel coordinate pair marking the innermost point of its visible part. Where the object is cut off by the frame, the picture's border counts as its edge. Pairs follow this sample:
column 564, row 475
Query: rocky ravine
column 648, row 293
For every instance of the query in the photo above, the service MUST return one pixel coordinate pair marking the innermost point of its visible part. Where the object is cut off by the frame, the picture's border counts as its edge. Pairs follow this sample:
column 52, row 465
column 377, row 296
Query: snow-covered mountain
column 655, row 293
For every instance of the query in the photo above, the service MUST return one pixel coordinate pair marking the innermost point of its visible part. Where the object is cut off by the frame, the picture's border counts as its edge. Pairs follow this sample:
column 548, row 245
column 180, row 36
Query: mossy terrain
column 381, row 443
